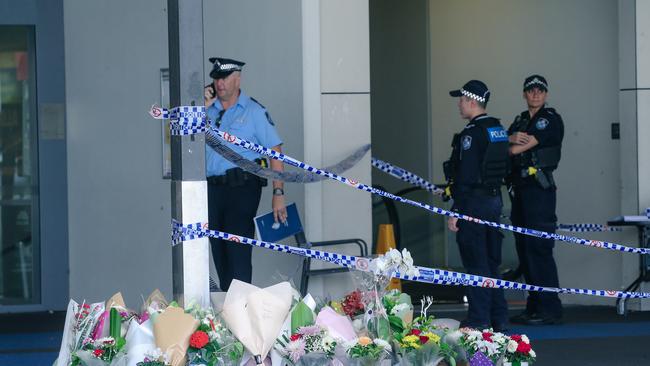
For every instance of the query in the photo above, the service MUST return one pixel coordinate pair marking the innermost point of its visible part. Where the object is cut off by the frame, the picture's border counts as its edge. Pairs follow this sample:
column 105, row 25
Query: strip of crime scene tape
column 182, row 233
column 179, row 127
column 406, row 176
column 415, row 180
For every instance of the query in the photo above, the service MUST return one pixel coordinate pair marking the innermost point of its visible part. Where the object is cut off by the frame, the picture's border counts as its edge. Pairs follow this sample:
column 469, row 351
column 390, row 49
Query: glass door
column 19, row 244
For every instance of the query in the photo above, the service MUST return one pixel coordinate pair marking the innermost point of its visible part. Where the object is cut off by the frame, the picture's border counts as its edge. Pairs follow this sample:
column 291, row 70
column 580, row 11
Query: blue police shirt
column 247, row 120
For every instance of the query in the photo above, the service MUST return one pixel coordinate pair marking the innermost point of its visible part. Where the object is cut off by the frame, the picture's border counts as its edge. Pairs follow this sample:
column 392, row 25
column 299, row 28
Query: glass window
column 19, row 261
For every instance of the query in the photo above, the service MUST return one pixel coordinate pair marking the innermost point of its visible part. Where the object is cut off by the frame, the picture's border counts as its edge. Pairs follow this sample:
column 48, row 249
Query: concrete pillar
column 336, row 94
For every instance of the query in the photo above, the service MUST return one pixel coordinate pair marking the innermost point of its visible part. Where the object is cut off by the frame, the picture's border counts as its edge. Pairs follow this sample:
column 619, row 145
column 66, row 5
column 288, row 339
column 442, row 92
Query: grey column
column 189, row 189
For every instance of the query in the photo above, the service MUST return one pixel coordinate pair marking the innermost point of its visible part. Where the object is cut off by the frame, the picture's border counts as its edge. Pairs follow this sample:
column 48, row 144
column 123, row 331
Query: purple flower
column 309, row 330
column 296, row 349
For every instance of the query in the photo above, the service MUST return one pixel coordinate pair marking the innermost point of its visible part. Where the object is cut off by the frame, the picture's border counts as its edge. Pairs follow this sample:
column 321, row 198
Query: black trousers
column 480, row 252
column 232, row 209
column 534, row 208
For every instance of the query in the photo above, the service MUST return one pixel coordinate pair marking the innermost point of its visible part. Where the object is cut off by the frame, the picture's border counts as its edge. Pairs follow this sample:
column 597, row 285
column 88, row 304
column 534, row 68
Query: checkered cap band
column 535, row 81
column 473, row 96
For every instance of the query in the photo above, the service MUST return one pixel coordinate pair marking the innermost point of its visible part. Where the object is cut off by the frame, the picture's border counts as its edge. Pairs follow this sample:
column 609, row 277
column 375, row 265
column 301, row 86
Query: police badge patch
column 467, row 142
column 541, row 123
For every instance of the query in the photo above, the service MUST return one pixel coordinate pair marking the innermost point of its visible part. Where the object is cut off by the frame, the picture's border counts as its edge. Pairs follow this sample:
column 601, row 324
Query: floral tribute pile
column 275, row 326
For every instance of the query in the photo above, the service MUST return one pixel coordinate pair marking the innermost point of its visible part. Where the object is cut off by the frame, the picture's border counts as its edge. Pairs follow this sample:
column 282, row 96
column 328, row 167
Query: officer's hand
column 279, row 209
column 207, row 95
column 452, row 224
column 519, row 138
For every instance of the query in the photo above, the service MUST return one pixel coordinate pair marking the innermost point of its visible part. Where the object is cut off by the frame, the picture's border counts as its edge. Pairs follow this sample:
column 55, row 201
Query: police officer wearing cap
column 234, row 194
column 475, row 172
column 535, row 145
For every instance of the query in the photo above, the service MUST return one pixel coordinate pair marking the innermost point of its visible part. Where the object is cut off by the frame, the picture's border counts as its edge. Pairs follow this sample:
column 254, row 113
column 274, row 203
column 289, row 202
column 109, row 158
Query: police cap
column 222, row 67
column 474, row 89
column 535, row 81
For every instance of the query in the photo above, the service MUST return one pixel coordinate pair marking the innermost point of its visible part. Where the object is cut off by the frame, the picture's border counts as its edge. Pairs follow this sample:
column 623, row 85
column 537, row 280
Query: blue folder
column 266, row 231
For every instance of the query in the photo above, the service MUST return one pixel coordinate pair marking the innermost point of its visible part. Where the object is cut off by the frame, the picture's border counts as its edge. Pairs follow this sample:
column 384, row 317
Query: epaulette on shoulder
column 258, row 103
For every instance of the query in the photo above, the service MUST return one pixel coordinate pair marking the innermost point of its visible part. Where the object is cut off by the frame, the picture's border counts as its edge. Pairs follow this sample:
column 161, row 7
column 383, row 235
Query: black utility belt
column 236, row 177
column 478, row 191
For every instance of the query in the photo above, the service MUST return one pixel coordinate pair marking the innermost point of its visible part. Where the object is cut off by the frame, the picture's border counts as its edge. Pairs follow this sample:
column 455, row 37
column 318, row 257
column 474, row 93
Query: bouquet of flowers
column 399, row 310
column 352, row 304
column 373, row 284
column 519, row 351
column 212, row 343
column 308, row 340
column 367, row 351
column 491, row 344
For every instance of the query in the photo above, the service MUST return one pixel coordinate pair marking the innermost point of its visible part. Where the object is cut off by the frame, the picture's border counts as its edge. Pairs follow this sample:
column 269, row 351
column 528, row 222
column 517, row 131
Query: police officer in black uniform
column 475, row 172
column 535, row 145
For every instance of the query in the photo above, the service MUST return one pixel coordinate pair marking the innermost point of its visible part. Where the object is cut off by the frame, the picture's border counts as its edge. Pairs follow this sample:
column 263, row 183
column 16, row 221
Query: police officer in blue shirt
column 535, row 145
column 475, row 172
column 234, row 194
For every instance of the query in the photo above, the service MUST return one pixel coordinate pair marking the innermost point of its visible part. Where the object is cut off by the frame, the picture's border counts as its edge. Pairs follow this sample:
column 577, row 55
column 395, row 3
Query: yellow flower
column 410, row 339
column 364, row 341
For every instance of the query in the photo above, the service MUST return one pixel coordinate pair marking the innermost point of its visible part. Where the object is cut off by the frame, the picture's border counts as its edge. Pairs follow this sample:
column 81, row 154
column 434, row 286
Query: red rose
column 424, row 339
column 487, row 336
column 199, row 339
column 98, row 353
column 523, row 348
column 295, row 337
column 516, row 338
column 416, row 332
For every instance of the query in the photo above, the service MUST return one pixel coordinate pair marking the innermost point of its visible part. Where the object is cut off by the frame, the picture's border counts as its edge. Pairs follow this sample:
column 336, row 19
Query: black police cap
column 474, row 89
column 222, row 67
column 535, row 81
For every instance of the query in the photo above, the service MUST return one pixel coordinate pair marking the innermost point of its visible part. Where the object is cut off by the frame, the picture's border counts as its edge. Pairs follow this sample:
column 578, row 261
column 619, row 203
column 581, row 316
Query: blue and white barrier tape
column 427, row 275
column 407, row 176
column 355, row 184
column 587, row 227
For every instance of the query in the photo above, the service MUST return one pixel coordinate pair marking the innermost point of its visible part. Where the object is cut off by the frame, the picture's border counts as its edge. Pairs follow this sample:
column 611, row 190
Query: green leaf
column 301, row 316
column 383, row 328
column 396, row 324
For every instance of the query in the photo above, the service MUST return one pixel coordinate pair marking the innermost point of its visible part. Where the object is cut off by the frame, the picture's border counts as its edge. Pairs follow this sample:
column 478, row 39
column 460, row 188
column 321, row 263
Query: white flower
column 383, row 344
column 378, row 265
column 328, row 343
column 512, row 346
column 488, row 347
column 156, row 355
column 399, row 307
column 532, row 354
column 394, row 257
column 413, row 272
column 525, row 339
column 406, row 257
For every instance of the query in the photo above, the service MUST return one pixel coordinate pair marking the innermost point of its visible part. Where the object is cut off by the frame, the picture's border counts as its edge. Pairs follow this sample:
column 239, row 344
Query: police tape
column 188, row 232
column 415, row 180
column 179, row 125
column 407, row 176
column 584, row 227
